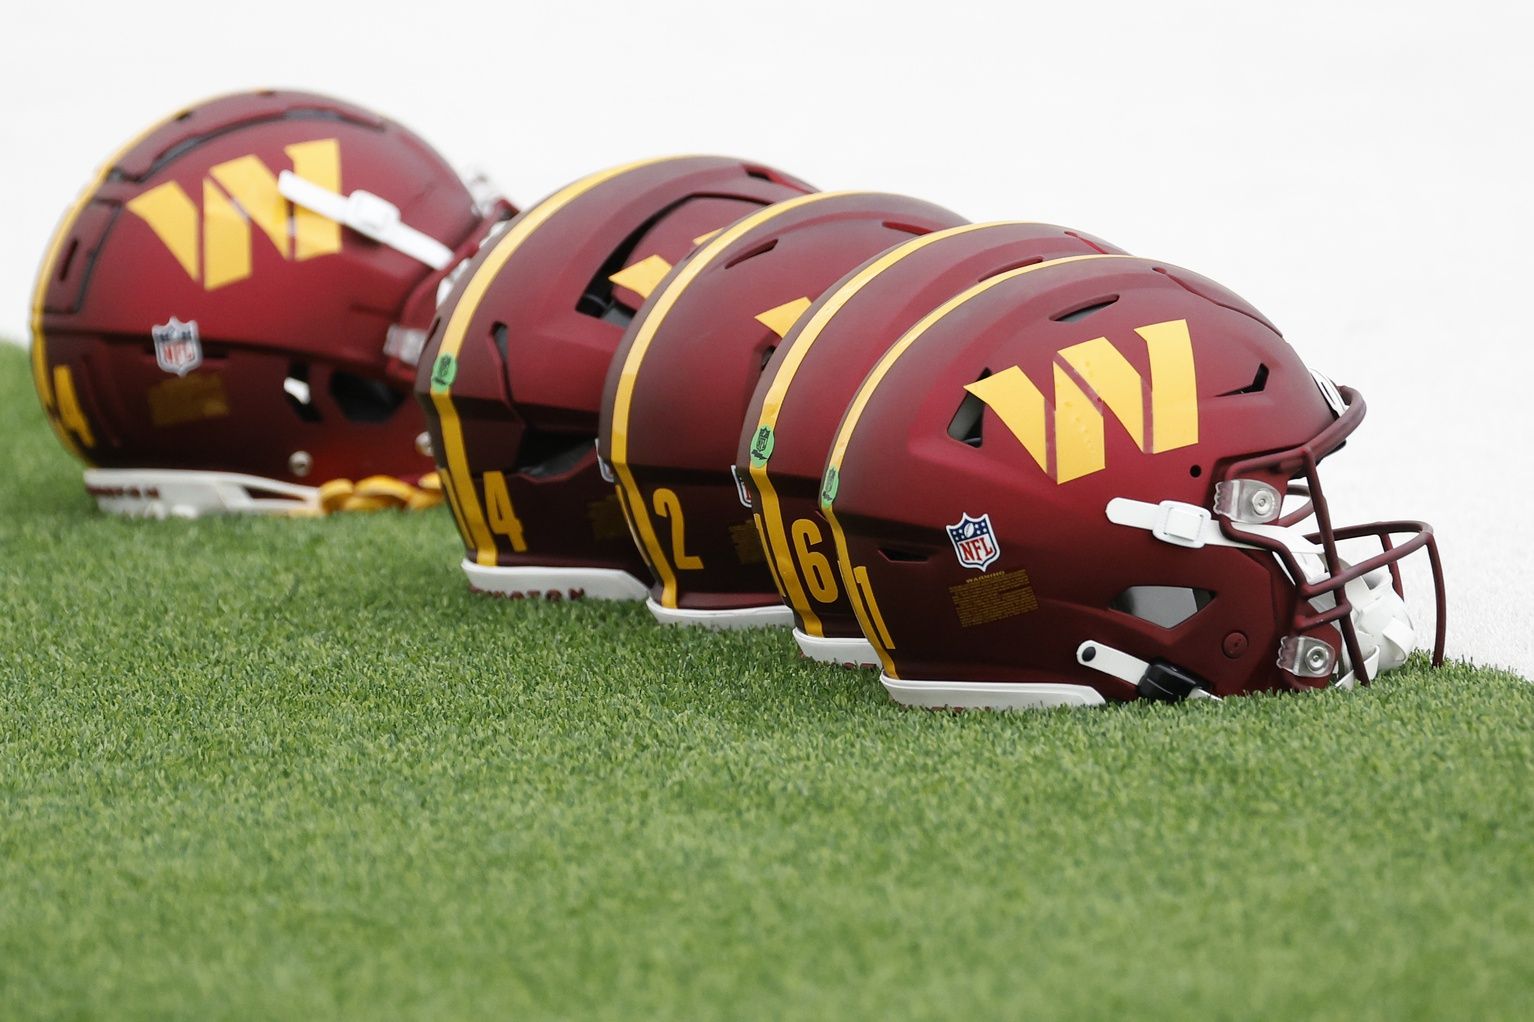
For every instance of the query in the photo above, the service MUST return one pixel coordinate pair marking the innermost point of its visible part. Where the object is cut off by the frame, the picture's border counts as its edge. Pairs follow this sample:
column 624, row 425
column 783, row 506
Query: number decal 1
column 860, row 574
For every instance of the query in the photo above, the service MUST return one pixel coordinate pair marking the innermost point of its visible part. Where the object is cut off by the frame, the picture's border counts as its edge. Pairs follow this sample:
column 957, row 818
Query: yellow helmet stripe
column 663, row 301
column 460, row 479
column 871, row 631
column 779, row 549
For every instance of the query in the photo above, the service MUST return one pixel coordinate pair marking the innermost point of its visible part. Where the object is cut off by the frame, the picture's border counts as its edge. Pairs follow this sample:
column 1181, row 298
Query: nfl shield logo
column 176, row 346
column 974, row 542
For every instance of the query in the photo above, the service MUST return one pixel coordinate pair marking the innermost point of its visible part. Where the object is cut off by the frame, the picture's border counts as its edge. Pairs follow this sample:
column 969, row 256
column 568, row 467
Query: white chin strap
column 1384, row 628
column 370, row 215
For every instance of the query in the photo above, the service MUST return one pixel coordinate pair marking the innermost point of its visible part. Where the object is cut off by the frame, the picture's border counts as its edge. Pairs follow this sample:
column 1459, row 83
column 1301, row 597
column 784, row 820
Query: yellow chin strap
column 378, row 493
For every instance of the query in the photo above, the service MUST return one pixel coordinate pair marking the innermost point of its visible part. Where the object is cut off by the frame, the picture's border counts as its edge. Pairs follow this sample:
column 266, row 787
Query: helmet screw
column 300, row 464
column 1262, row 503
column 1319, row 658
column 1234, row 645
column 423, row 443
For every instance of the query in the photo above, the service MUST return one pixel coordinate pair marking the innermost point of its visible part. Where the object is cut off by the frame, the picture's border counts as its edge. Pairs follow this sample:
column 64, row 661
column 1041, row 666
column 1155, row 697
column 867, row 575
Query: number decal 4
column 503, row 516
column 71, row 417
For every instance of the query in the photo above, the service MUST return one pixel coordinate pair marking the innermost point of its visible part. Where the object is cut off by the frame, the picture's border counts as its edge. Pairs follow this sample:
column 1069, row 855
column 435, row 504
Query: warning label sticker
column 748, row 543
column 986, row 598
column 187, row 399
column 606, row 518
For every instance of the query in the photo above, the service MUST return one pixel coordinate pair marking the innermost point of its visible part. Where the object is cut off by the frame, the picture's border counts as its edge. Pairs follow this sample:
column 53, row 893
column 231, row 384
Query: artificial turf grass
column 292, row 768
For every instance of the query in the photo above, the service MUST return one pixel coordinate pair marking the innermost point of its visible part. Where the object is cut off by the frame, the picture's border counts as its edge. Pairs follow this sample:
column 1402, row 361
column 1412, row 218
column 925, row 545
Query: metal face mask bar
column 1240, row 501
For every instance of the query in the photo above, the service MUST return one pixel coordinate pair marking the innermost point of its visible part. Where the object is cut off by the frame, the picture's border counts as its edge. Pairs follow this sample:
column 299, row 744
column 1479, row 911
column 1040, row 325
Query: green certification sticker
column 828, row 489
column 761, row 446
column 443, row 373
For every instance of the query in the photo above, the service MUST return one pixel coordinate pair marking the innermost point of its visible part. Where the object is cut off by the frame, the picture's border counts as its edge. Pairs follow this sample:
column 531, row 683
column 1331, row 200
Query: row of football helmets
column 1008, row 464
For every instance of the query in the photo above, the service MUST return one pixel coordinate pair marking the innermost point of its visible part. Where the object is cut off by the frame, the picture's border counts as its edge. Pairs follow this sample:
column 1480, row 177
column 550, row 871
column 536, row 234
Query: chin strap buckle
column 1181, row 524
column 1152, row 679
column 1168, row 683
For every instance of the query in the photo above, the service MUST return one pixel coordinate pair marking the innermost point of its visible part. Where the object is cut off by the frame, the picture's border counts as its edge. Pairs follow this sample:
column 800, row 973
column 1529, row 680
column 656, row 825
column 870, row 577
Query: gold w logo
column 1093, row 375
column 213, row 245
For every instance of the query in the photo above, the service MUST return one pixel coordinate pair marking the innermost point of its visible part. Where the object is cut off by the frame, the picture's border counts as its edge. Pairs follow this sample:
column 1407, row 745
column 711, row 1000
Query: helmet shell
column 293, row 312
column 815, row 372
column 512, row 373
column 678, row 388
column 1075, row 413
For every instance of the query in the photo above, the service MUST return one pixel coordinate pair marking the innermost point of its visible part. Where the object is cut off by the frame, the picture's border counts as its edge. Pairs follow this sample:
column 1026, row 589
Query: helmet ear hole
column 363, row 399
column 1164, row 606
column 543, row 454
column 295, row 388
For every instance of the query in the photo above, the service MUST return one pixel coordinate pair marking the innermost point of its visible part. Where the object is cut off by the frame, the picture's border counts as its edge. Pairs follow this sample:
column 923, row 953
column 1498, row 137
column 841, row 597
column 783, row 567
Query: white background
column 1360, row 172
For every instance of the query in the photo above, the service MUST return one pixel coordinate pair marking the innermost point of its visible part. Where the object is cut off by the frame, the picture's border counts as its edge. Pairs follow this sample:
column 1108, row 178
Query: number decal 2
column 668, row 506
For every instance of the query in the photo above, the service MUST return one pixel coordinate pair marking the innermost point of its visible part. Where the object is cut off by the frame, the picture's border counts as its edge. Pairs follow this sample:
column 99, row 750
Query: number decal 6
column 819, row 576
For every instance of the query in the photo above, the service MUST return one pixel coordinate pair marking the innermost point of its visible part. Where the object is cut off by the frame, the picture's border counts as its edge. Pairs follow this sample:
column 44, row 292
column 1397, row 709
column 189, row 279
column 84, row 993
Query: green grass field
column 293, row 769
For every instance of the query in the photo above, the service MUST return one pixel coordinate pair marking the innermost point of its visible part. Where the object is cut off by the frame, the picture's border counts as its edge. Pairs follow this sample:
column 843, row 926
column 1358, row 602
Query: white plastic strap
column 370, row 215
column 1189, row 525
column 1113, row 662
column 1330, row 393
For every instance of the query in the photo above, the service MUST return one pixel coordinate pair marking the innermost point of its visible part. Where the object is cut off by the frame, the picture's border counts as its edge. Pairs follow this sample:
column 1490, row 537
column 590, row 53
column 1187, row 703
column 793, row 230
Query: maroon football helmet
column 231, row 313
column 813, row 375
column 1068, row 484
column 678, row 389
column 511, row 378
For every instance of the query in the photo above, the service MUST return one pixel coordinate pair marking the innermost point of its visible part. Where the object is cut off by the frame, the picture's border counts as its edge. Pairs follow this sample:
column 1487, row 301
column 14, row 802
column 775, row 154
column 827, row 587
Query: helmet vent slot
column 1083, row 311
column 296, row 389
column 498, row 334
column 1258, row 384
column 1012, row 266
column 362, row 399
column 598, row 300
column 761, row 249
column 767, row 354
column 1163, row 606
column 969, row 418
column 69, row 259
column 896, row 225
column 1088, row 242
column 898, row 555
